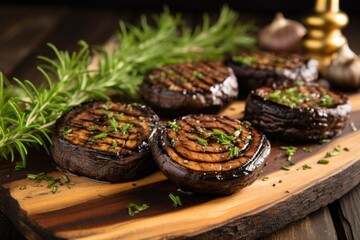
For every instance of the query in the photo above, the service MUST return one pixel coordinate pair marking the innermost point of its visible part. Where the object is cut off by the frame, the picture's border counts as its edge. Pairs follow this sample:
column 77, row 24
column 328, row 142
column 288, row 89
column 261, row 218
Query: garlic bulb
column 344, row 71
column 282, row 35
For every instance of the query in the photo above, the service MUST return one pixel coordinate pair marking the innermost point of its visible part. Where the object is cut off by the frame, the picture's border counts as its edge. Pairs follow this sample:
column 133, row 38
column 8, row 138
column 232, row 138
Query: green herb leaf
column 134, row 208
column 99, row 136
column 67, row 132
column 323, row 161
column 234, row 152
column 201, row 141
column 198, row 75
column 324, row 141
column 265, row 178
column 176, row 200
column 125, row 128
column 22, row 187
column 307, row 149
column 174, row 126
column 54, row 190
column 289, row 151
column 245, row 60
column 113, row 124
column 285, row 168
column 66, row 178
column 306, row 166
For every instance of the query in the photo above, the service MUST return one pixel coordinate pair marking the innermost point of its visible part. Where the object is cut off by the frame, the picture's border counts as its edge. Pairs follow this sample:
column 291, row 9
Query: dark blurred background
column 351, row 6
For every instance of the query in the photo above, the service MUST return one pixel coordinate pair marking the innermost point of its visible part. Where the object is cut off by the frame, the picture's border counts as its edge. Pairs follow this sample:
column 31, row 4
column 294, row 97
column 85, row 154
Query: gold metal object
column 324, row 37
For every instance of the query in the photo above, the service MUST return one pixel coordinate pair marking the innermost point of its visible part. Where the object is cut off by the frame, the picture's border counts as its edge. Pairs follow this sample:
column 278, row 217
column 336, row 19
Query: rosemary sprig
column 26, row 120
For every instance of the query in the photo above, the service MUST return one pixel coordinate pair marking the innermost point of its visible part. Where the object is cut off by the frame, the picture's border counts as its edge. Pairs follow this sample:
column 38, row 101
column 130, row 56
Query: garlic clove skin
column 282, row 35
column 344, row 71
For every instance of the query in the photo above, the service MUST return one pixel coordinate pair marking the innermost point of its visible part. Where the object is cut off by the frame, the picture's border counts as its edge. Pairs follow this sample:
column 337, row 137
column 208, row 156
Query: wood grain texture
column 96, row 210
column 317, row 225
column 346, row 213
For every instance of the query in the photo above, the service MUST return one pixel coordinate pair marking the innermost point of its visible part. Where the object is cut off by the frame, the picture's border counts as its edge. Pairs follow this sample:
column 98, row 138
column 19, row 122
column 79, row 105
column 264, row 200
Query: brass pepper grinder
column 324, row 37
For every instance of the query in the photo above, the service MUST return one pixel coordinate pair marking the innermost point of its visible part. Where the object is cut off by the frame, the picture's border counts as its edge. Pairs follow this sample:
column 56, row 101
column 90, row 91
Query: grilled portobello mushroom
column 260, row 68
column 186, row 88
column 106, row 140
column 299, row 113
column 210, row 153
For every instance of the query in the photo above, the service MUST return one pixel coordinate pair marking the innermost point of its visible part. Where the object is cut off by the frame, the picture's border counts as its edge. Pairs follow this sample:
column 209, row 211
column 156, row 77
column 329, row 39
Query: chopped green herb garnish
column 247, row 123
column 201, row 141
column 20, row 165
column 307, row 149
column 91, row 128
column 22, row 187
column 114, row 143
column 109, row 115
column 125, row 128
column 246, row 60
column 176, row 200
column 174, row 140
column 275, row 95
column 265, row 178
column 99, row 136
column 306, row 166
column 326, row 101
column 234, row 152
column 346, row 149
column 120, row 116
column 129, row 107
column 67, row 132
column 198, row 75
column 134, row 208
column 113, row 124
column 285, row 168
column 289, row 151
column 223, row 138
column 291, row 162
column 334, row 152
column 52, row 181
column 323, row 161
column 54, row 190
column 34, row 176
column 66, row 178
column 324, row 141
column 174, row 126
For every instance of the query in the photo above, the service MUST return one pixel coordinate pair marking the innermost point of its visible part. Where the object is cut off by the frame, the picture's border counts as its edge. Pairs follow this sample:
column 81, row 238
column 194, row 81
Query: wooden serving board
column 86, row 209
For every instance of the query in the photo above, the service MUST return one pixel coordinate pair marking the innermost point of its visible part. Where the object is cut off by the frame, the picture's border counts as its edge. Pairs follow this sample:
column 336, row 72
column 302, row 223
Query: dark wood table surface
column 25, row 30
